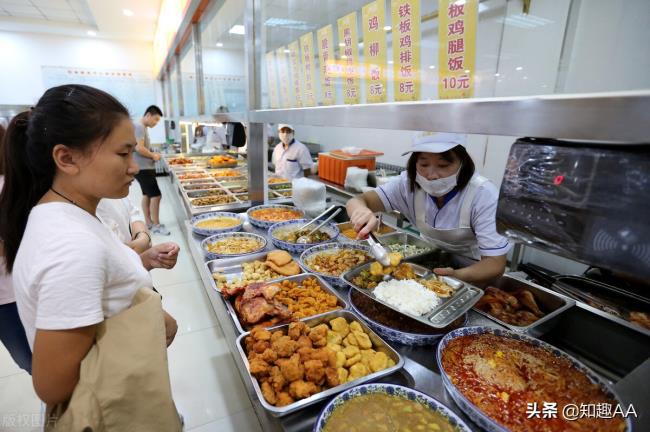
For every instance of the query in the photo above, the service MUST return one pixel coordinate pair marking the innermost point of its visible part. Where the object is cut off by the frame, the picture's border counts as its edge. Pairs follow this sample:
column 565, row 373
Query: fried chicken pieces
column 307, row 360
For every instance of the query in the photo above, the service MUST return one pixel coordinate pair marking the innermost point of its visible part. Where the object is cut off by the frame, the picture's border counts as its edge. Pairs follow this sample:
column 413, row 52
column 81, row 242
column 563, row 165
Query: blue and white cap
column 436, row 142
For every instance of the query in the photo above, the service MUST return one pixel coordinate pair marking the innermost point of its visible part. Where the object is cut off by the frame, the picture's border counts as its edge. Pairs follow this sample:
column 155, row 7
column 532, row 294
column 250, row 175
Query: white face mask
column 438, row 187
column 286, row 137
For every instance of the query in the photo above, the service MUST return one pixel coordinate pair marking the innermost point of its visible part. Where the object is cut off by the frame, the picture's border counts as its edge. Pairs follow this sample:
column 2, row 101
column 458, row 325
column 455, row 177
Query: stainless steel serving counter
column 420, row 370
column 578, row 331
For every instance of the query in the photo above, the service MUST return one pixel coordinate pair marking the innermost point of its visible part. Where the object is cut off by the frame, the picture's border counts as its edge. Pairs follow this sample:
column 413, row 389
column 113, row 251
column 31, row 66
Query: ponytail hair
column 73, row 115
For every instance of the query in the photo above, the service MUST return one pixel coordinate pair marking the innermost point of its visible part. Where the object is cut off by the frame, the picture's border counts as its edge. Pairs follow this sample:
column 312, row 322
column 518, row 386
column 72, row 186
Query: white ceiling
column 77, row 17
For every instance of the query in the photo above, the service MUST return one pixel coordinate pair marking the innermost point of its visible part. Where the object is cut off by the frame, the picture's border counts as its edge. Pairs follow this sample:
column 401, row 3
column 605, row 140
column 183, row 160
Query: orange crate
column 334, row 169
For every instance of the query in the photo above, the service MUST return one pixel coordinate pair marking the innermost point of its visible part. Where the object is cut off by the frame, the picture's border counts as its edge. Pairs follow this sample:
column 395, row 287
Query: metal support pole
column 198, row 67
column 179, row 79
column 257, row 146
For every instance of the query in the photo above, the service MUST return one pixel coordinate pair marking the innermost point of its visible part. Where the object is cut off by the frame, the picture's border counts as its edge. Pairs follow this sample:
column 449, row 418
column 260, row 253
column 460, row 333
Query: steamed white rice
column 407, row 296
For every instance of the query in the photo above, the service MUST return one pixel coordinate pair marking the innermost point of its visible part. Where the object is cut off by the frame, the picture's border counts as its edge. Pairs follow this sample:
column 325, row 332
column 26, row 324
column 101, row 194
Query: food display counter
column 205, row 183
column 421, row 370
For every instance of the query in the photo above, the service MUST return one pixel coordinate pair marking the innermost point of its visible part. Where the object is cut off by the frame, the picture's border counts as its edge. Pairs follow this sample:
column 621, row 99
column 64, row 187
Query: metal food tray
column 346, row 225
column 200, row 186
column 378, row 345
column 464, row 297
column 405, row 238
column 342, row 303
column 204, row 193
column 546, row 299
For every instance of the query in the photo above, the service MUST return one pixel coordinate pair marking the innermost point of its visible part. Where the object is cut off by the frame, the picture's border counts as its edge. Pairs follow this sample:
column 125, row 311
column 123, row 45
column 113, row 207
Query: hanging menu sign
column 457, row 49
column 272, row 80
column 406, row 49
column 283, row 77
column 324, row 40
column 294, row 60
column 348, row 50
column 374, row 50
column 307, row 52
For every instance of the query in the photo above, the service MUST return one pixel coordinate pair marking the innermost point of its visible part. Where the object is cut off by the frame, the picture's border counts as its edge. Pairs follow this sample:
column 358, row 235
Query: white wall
column 23, row 55
column 219, row 61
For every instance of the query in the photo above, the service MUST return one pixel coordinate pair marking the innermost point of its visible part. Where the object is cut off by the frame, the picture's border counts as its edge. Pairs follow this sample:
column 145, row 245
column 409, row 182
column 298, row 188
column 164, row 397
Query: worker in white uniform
column 291, row 157
column 450, row 204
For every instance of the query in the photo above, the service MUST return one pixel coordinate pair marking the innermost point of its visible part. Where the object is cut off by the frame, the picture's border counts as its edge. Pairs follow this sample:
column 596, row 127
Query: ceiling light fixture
column 219, row 44
column 127, row 12
column 518, row 68
column 91, row 33
column 237, row 29
column 432, row 67
column 387, row 28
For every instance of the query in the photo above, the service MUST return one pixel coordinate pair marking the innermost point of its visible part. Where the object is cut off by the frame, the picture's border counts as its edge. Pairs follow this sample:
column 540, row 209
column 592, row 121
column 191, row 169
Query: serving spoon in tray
column 304, row 239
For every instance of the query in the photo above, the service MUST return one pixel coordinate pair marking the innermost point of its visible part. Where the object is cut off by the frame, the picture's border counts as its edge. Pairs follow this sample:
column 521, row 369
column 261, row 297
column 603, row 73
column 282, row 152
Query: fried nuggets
column 305, row 360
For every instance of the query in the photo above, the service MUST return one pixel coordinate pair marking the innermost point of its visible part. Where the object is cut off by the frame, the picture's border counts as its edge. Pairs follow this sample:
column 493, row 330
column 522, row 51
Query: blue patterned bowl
column 473, row 412
column 213, row 231
column 297, row 248
column 392, row 390
column 213, row 255
column 267, row 224
column 397, row 336
column 329, row 247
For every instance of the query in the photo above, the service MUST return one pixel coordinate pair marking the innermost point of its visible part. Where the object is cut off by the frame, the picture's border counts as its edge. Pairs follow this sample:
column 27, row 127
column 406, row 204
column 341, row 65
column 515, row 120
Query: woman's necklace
column 72, row 202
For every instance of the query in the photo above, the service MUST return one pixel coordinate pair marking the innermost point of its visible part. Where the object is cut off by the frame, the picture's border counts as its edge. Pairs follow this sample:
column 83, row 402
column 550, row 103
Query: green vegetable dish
column 383, row 413
column 407, row 250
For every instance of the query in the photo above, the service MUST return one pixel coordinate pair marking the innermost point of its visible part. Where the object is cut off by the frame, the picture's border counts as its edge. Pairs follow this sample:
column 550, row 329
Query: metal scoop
column 304, row 239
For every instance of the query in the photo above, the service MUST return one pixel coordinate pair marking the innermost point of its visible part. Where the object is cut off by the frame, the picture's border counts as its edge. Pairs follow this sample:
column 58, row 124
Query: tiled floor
column 206, row 385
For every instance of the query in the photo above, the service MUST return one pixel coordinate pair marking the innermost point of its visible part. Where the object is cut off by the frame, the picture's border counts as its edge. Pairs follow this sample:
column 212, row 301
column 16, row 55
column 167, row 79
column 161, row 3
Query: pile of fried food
column 306, row 299
column 517, row 308
column 274, row 180
column 221, row 160
column 266, row 305
column 307, row 360
column 226, row 173
column 212, row 200
column 269, row 304
column 335, row 263
column 192, row 175
column 179, row 161
column 281, row 262
column 252, row 272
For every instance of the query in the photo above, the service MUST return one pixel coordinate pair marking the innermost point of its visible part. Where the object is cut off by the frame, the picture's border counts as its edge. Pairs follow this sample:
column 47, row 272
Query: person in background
column 447, row 200
column 127, row 222
column 70, row 273
column 215, row 138
column 12, row 332
column 146, row 160
column 291, row 157
column 199, row 138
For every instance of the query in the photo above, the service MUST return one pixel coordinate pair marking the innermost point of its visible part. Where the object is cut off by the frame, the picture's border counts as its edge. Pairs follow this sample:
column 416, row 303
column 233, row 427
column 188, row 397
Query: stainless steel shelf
column 616, row 117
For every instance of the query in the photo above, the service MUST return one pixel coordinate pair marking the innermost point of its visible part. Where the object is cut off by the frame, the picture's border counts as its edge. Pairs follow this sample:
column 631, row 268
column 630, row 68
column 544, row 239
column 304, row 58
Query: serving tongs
column 332, row 207
column 376, row 249
column 304, row 239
